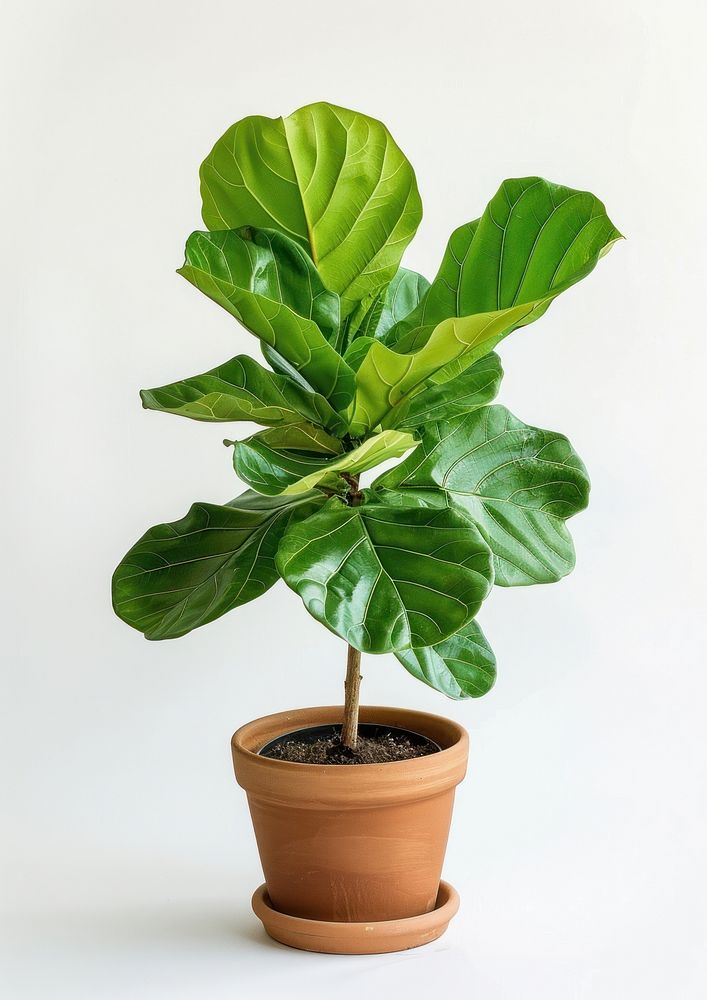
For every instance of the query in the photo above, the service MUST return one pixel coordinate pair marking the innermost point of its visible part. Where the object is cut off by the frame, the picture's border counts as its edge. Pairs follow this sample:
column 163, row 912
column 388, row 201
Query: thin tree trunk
column 352, row 684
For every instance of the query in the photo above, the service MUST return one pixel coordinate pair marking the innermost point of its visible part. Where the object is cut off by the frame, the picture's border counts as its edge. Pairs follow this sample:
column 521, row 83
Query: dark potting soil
column 379, row 748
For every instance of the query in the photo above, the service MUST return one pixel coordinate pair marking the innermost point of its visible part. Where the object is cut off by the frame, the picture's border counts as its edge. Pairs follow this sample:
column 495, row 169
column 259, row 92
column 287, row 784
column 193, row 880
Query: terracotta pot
column 357, row 843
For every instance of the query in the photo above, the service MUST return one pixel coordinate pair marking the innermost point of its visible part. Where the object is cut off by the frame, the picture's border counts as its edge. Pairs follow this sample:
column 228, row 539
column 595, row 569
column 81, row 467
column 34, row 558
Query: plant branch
column 352, row 684
column 354, row 495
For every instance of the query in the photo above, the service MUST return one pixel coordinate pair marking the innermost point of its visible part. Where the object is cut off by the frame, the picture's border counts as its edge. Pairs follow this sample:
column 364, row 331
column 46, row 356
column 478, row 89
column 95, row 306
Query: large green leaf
column 229, row 269
column 331, row 179
column 462, row 666
column 187, row 573
column 474, row 388
column 272, row 265
column 386, row 578
column 241, row 389
column 534, row 238
column 534, row 241
column 272, row 466
column 518, row 483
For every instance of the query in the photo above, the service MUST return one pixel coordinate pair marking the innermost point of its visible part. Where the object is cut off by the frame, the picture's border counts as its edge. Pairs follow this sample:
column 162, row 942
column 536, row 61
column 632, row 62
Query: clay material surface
column 354, row 844
column 341, row 938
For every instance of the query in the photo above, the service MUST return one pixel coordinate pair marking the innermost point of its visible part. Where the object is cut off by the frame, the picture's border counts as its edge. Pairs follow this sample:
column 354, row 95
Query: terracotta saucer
column 341, row 938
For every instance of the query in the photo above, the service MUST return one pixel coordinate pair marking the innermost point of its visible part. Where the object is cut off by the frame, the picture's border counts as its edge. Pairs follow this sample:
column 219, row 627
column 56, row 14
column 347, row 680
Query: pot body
column 362, row 842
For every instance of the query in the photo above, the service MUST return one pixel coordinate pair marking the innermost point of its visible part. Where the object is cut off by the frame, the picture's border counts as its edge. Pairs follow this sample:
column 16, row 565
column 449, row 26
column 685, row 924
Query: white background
column 579, row 837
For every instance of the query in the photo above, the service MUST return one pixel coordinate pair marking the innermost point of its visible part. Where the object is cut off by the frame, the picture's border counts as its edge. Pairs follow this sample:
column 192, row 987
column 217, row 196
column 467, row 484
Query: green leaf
column 534, row 241
column 402, row 297
column 282, row 366
column 386, row 376
column 357, row 351
column 474, row 388
column 268, row 263
column 386, row 578
column 241, row 389
column 389, row 306
column 363, row 321
column 518, row 483
column 462, row 666
column 227, row 268
column 330, row 179
column 371, row 452
column 535, row 238
column 301, row 437
column 271, row 468
column 187, row 573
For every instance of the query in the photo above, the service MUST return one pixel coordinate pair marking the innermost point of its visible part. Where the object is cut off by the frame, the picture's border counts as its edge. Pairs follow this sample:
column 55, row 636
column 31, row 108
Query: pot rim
column 321, row 786
column 286, row 717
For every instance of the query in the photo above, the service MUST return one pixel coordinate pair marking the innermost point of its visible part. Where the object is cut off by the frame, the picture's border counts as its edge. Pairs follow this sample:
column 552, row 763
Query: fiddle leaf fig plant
column 366, row 361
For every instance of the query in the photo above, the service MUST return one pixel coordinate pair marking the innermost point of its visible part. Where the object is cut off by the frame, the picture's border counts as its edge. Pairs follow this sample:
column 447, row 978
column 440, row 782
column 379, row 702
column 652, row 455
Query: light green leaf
column 534, row 241
column 271, row 468
column 386, row 376
column 462, row 666
column 371, row 452
column 474, row 388
column 518, row 483
column 386, row 578
column 331, row 179
column 226, row 267
column 187, row 573
column 241, row 389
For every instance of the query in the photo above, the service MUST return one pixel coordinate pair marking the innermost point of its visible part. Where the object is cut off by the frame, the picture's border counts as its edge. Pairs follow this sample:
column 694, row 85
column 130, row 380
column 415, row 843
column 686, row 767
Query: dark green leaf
column 269, row 264
column 241, row 389
column 402, row 297
column 235, row 273
column 462, row 666
column 390, row 305
column 386, row 578
column 474, row 388
column 187, row 573
column 282, row 366
column 357, row 351
column 518, row 483
column 363, row 321
column 271, row 470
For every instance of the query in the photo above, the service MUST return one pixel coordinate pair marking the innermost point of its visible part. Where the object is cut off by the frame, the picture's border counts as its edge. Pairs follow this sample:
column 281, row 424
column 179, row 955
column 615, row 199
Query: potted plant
column 307, row 219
